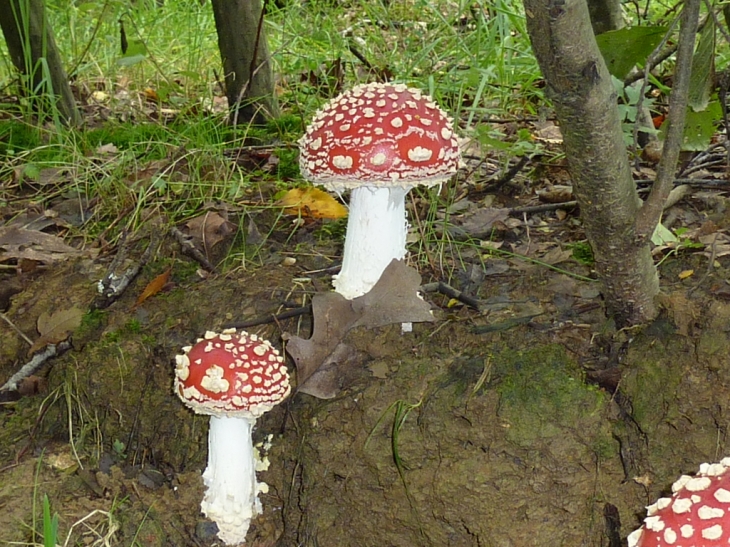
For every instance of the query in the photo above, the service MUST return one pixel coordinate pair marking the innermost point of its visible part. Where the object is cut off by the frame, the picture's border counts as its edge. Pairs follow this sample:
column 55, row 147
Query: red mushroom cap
column 697, row 514
column 382, row 135
column 231, row 373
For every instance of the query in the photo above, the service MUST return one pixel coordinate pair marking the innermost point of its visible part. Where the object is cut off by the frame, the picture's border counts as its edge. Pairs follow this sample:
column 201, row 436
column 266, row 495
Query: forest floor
column 521, row 419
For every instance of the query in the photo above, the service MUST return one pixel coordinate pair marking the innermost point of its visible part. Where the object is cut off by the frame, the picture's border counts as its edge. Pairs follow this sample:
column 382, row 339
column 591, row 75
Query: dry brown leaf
column 556, row 255
column 548, row 132
column 479, row 224
column 153, row 287
column 56, row 327
column 19, row 243
column 106, row 149
column 323, row 360
column 312, row 202
column 716, row 245
column 557, row 193
column 32, row 385
column 209, row 229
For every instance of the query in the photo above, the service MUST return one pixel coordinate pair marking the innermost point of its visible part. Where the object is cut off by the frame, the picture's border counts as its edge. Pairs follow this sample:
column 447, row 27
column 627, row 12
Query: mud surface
column 522, row 425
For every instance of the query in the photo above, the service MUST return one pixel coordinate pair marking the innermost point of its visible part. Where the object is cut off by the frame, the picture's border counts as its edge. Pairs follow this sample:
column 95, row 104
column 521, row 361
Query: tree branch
column 651, row 211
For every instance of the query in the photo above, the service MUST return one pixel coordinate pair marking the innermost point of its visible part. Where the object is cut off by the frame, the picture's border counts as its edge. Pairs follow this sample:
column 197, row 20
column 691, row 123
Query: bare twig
column 272, row 318
column 189, row 248
column 114, row 284
column 32, row 366
column 451, row 292
column 16, row 329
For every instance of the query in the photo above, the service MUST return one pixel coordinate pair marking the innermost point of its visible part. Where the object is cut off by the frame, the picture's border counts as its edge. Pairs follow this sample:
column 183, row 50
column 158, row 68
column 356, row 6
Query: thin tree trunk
column 35, row 55
column 605, row 15
column 580, row 87
column 246, row 61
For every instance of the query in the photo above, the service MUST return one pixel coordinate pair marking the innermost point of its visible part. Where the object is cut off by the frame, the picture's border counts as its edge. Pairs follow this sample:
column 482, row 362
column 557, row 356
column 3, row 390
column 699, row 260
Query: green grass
column 473, row 57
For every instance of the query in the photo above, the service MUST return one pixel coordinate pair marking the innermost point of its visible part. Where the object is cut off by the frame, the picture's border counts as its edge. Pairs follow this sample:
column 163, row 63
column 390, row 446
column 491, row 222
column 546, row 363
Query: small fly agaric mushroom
column 697, row 514
column 234, row 377
column 378, row 140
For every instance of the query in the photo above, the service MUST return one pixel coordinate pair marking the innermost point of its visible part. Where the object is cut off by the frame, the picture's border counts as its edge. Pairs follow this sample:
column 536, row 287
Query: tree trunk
column 580, row 87
column 605, row 15
column 246, row 61
column 35, row 55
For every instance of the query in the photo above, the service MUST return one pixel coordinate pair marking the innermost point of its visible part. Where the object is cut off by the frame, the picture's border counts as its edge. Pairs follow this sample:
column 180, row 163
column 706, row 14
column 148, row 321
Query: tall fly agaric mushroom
column 234, row 377
column 378, row 140
column 697, row 514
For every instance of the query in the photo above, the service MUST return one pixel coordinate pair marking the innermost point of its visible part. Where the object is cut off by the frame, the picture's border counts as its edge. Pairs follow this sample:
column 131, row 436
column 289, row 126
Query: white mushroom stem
column 231, row 499
column 376, row 234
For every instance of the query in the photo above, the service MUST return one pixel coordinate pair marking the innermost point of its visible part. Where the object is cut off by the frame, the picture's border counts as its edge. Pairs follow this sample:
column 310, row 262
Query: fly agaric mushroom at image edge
column 234, row 378
column 378, row 140
column 697, row 514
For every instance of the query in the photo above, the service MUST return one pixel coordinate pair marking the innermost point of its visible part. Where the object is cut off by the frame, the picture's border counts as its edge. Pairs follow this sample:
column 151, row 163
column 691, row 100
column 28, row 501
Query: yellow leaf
column 312, row 202
column 684, row 274
column 150, row 94
column 452, row 303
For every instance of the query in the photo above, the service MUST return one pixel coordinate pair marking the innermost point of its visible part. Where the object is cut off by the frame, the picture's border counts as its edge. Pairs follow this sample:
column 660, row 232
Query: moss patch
column 542, row 393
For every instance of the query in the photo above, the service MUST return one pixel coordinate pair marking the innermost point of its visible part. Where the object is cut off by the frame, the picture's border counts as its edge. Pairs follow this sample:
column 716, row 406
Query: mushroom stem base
column 376, row 234
column 231, row 499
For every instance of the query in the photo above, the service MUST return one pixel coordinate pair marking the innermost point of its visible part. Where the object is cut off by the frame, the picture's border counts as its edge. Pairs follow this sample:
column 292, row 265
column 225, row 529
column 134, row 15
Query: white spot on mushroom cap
column 706, row 512
column 713, row 532
column 378, row 159
column 698, row 484
column 687, row 531
column 214, row 381
column 261, row 349
column 670, row 536
column 396, row 122
column 722, row 495
column 654, row 523
column 682, row 505
column 342, row 162
column 419, row 154
column 633, row 538
column 680, row 482
column 182, row 368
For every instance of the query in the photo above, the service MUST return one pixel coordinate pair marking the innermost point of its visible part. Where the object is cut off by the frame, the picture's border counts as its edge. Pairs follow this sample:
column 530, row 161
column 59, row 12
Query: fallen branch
column 31, row 367
column 451, row 292
column 189, row 248
column 113, row 285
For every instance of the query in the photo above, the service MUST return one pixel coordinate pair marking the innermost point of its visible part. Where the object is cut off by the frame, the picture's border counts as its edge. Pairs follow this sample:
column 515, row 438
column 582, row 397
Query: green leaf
column 50, row 524
column 699, row 127
column 129, row 61
column 136, row 53
column 623, row 49
column 663, row 235
column 703, row 69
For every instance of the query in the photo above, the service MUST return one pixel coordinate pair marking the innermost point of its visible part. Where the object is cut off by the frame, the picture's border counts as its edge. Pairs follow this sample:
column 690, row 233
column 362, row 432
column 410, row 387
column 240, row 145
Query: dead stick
column 189, row 249
column 451, row 292
column 273, row 318
column 32, row 366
